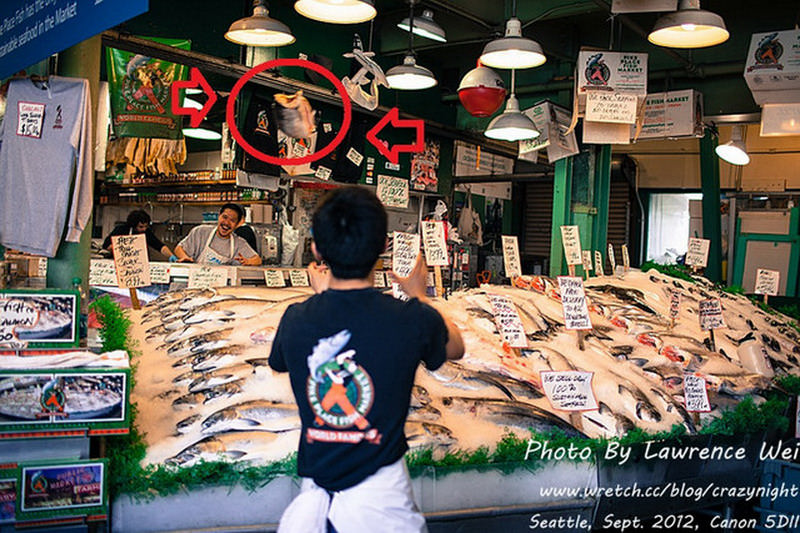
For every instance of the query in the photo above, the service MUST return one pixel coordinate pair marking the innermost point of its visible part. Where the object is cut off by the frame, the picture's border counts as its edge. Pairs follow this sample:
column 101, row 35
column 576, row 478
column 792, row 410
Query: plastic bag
column 290, row 239
column 469, row 223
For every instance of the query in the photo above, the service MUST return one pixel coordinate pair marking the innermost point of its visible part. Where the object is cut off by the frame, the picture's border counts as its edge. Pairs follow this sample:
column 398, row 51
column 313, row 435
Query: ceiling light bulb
column 260, row 29
column 511, row 125
column 734, row 151
column 424, row 26
column 337, row 11
column 689, row 27
column 513, row 50
column 410, row 76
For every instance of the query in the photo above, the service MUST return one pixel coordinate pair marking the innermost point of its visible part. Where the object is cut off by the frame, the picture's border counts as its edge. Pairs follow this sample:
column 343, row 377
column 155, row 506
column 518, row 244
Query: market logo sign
column 597, row 72
column 768, row 53
column 32, row 31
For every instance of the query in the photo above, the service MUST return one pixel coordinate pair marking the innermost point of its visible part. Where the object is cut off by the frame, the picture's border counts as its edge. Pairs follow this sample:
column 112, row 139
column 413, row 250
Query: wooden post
column 581, row 335
column 571, row 269
column 134, row 299
column 437, row 279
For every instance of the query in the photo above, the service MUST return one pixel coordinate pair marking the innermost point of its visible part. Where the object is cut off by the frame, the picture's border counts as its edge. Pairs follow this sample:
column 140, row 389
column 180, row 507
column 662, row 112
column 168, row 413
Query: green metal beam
column 562, row 214
column 712, row 225
column 602, row 193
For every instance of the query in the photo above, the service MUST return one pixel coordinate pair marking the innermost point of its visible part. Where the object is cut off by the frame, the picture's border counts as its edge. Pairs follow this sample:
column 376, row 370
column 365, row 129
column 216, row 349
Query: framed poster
column 39, row 318
column 47, row 400
column 50, row 489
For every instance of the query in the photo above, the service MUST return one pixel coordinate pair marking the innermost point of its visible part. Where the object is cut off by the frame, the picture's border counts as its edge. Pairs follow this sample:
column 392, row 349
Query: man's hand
column 251, row 261
column 416, row 283
column 186, row 260
column 319, row 276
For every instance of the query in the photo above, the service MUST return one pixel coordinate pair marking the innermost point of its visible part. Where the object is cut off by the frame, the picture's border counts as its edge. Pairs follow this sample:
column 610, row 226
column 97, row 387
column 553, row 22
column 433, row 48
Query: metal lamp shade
column 409, row 76
column 513, row 50
column 511, row 125
column 425, row 26
column 260, row 29
column 689, row 27
column 734, row 151
column 337, row 11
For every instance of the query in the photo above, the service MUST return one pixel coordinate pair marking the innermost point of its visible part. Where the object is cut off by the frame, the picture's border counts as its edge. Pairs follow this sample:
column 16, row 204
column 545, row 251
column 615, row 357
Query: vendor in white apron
column 218, row 245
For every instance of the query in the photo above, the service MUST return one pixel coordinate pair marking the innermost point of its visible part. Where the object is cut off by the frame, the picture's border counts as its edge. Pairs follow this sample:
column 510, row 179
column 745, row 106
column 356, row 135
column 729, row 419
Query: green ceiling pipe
column 712, row 225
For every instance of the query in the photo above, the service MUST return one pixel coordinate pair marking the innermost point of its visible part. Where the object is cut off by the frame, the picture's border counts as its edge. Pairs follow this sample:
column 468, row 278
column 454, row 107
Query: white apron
column 384, row 498
column 209, row 257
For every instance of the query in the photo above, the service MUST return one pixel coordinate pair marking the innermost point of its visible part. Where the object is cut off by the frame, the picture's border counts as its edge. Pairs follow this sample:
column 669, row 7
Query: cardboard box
column 772, row 69
column 552, row 121
column 619, row 72
column 673, row 114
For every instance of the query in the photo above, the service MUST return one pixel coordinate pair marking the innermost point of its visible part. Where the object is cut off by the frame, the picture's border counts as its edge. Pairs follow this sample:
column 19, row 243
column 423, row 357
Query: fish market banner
column 33, row 30
column 140, row 93
column 50, row 490
column 45, row 400
column 569, row 390
column 38, row 319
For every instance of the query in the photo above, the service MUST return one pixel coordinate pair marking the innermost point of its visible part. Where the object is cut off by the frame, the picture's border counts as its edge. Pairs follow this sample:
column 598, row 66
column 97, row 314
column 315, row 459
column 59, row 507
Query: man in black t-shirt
column 351, row 353
column 138, row 222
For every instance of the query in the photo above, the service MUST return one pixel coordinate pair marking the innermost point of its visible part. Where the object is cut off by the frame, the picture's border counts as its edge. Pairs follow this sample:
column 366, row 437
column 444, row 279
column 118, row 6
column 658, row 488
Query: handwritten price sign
column 513, row 265
column 573, row 298
column 392, row 191
column 130, row 261
column 434, row 243
column 569, row 390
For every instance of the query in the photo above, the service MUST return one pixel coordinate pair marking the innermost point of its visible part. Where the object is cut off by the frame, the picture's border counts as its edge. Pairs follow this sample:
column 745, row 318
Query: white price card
column 380, row 280
column 130, row 260
column 41, row 270
column 508, row 321
column 102, row 273
column 573, row 299
column 626, row 258
column 159, row 272
column 611, row 259
column 30, row 119
column 204, row 277
column 323, row 173
column 434, row 243
column 598, row 263
column 392, row 191
column 511, row 260
column 674, row 304
column 586, row 255
column 405, row 249
column 711, row 314
column 695, row 394
column 767, row 281
column 569, row 390
column 571, row 239
column 355, row 157
column 298, row 278
column 274, row 278
column 697, row 254
column 618, row 108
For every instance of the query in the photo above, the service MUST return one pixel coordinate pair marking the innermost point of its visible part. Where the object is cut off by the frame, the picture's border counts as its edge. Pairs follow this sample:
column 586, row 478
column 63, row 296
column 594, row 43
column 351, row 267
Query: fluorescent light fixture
column 511, row 125
column 409, row 76
column 202, row 133
column 424, row 26
column 337, row 11
column 513, row 50
column 734, row 151
column 689, row 27
column 260, row 29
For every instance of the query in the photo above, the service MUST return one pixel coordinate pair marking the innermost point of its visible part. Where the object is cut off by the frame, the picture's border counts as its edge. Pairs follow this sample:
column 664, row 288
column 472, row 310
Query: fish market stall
column 205, row 392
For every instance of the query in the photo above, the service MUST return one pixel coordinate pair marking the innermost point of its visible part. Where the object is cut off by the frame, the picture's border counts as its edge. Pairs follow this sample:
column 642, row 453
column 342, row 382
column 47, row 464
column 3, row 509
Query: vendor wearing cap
column 218, row 245
column 138, row 221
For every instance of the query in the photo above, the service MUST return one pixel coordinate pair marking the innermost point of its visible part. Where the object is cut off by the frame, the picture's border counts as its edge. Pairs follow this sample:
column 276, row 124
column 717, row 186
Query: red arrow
column 196, row 79
column 393, row 153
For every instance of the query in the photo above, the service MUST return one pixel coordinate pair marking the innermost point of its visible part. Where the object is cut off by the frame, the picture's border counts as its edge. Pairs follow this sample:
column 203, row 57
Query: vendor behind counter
column 138, row 221
column 218, row 245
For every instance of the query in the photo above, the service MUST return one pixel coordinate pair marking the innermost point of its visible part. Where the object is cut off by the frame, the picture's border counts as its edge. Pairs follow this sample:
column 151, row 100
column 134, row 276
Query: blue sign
column 32, row 30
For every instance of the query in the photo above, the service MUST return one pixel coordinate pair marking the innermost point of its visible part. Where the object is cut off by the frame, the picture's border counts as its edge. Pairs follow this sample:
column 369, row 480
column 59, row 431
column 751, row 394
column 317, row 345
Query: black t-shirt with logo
column 351, row 357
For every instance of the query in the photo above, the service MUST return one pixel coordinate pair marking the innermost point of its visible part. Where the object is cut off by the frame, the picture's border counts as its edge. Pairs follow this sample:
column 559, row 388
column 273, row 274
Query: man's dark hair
column 349, row 230
column 236, row 208
column 137, row 217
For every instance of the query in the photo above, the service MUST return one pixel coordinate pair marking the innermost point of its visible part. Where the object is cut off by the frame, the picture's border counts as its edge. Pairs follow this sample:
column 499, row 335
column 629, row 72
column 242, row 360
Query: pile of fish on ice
column 204, row 389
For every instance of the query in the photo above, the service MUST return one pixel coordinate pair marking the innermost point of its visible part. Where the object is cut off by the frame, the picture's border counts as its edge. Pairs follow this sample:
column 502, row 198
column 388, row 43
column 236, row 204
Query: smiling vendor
column 218, row 245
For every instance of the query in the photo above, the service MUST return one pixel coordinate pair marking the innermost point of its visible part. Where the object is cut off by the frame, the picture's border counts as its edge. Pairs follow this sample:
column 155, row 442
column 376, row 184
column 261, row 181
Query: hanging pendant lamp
column 689, row 27
column 337, row 11
column 513, row 50
column 424, row 26
column 259, row 29
column 511, row 125
column 409, row 76
column 734, row 151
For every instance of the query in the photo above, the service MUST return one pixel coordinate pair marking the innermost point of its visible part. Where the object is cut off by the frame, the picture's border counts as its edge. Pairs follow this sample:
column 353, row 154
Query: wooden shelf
column 188, row 183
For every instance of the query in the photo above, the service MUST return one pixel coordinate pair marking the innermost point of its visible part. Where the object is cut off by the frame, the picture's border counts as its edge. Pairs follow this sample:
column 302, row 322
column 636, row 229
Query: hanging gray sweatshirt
column 45, row 155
